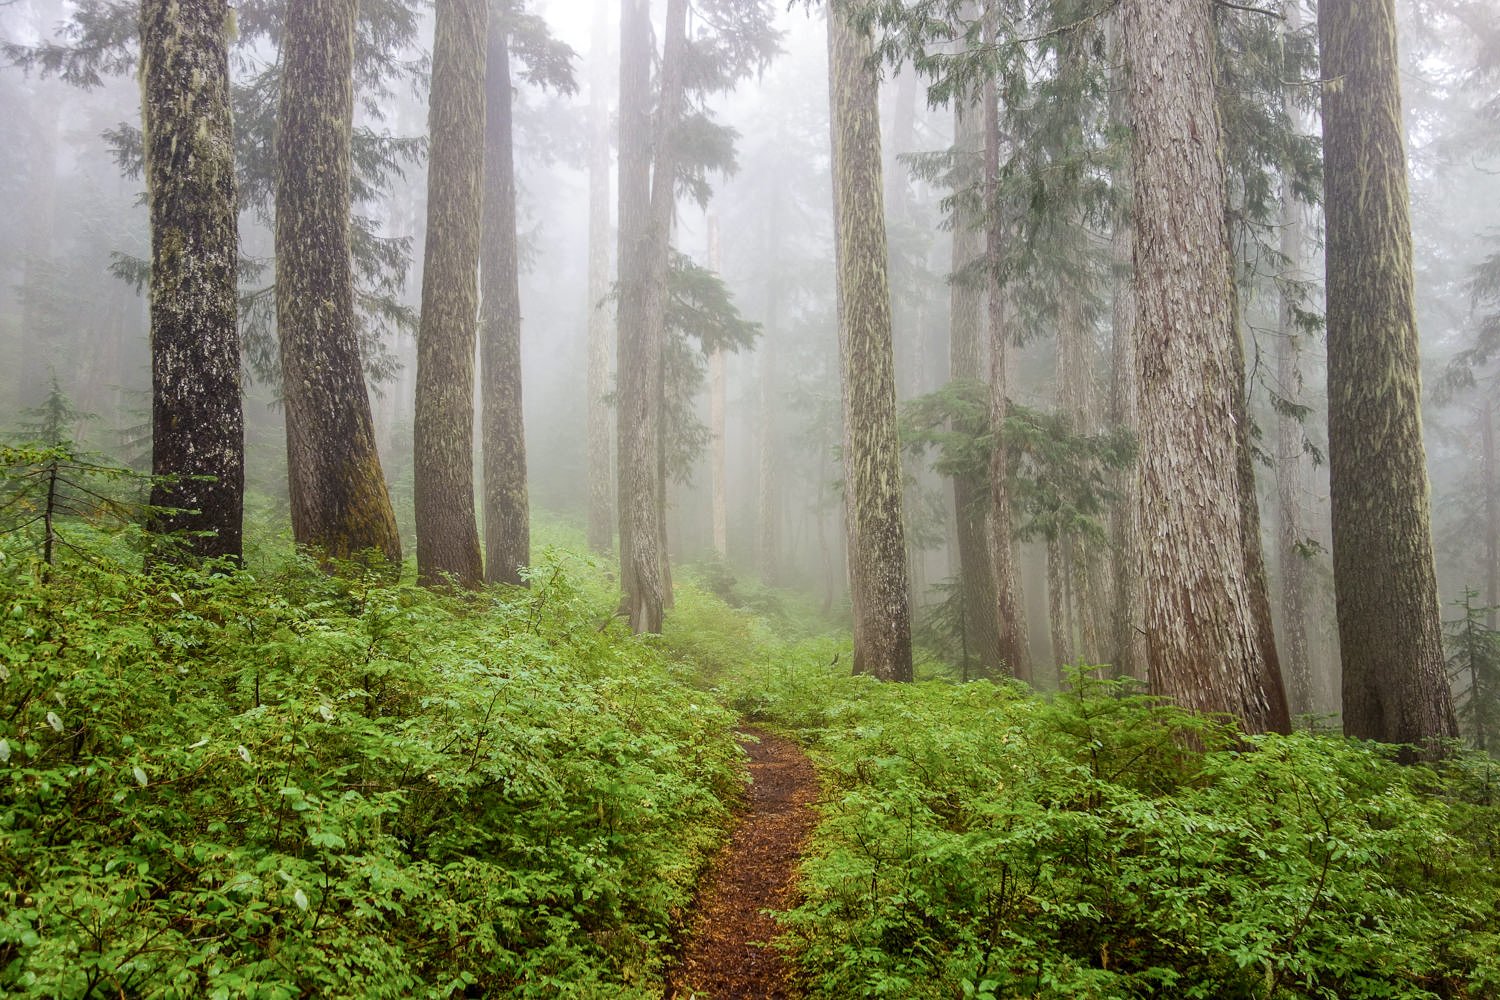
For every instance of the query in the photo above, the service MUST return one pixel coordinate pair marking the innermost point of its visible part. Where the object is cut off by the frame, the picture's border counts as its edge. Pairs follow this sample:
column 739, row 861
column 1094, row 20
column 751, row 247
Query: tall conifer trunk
column 971, row 499
column 1395, row 687
column 872, row 460
column 447, row 536
column 507, row 525
column 339, row 500
column 1203, row 637
column 601, row 530
column 1011, row 604
column 197, row 423
column 1127, row 652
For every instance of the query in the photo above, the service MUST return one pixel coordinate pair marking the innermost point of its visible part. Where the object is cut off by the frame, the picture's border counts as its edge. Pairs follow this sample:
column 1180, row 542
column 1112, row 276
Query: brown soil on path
column 728, row 954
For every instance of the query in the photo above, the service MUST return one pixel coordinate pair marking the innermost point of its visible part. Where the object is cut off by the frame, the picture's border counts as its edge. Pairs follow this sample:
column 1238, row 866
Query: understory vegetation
column 278, row 783
column 284, row 784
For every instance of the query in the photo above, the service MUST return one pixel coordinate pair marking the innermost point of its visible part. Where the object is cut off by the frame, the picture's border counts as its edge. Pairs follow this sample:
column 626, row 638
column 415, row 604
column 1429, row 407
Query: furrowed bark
column 507, row 516
column 872, row 461
column 340, row 504
column 1203, row 642
column 197, row 423
column 447, row 537
column 1395, row 687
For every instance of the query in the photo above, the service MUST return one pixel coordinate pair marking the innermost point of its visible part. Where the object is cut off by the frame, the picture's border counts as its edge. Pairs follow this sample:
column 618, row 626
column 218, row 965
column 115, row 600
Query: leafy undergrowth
column 979, row 841
column 283, row 784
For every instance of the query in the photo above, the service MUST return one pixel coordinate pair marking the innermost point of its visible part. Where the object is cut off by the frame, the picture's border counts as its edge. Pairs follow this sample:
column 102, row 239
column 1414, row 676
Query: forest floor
column 729, row 954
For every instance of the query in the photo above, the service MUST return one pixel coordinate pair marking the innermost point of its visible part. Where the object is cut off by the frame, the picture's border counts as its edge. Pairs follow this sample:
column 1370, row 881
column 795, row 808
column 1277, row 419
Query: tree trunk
column 1203, row 641
column 872, row 460
column 718, row 407
column 1290, row 478
column 197, row 424
column 1395, row 688
column 647, row 199
column 971, row 499
column 339, row 499
column 768, row 546
column 1010, row 603
column 507, row 517
column 1057, row 606
column 1491, row 512
column 601, row 508
column 1127, row 651
column 447, row 537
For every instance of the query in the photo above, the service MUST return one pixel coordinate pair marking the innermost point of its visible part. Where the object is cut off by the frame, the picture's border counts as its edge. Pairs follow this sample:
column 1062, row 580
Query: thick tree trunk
column 1057, row 606
column 1203, row 639
column 447, row 537
column 1010, row 603
column 971, row 497
column 601, row 512
column 340, row 503
column 507, row 516
column 872, row 460
column 1395, row 688
column 197, row 424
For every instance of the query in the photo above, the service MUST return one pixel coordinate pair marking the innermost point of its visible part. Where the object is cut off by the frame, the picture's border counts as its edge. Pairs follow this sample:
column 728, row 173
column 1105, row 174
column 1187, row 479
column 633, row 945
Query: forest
column 712, row 499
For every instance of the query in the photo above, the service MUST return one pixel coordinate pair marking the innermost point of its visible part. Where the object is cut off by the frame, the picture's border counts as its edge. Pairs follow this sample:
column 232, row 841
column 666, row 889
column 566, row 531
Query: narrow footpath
column 729, row 955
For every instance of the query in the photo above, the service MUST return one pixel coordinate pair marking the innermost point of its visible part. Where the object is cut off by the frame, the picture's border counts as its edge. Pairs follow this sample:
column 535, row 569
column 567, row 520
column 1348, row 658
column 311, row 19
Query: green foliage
column 1060, row 478
column 297, row 785
column 1474, row 669
column 979, row 842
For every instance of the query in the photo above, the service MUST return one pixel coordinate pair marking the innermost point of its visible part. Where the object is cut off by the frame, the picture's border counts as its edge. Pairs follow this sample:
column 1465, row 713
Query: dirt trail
column 728, row 954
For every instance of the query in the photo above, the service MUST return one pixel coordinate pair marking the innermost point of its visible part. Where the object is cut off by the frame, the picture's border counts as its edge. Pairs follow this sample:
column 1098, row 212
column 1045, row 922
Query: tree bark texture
column 1394, row 688
column 872, row 460
column 1491, row 511
column 601, row 512
column 447, row 537
column 197, row 423
column 1010, row 602
column 339, row 499
column 1202, row 636
column 507, row 516
column 971, row 496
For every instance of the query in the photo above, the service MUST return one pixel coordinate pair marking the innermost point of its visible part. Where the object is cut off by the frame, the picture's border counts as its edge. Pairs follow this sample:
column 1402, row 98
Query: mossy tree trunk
column 971, row 495
column 1394, row 687
column 1203, row 637
column 507, row 519
column 339, row 499
column 601, row 511
column 872, row 459
column 197, row 422
column 447, row 537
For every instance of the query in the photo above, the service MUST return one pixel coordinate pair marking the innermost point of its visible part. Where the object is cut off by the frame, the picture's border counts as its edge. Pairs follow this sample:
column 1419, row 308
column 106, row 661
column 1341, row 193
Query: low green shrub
column 292, row 785
column 977, row 841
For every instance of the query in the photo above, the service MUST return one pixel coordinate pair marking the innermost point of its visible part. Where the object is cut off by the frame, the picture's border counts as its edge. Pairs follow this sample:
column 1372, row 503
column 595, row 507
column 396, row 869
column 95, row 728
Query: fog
column 74, row 220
